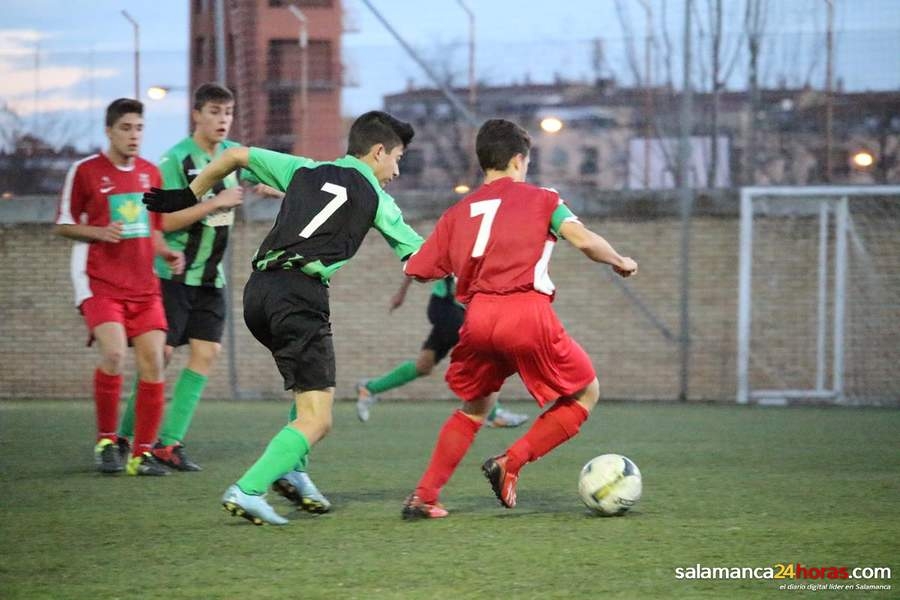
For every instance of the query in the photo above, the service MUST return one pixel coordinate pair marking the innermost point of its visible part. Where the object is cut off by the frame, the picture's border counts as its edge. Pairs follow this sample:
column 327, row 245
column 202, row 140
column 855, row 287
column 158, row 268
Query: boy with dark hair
column 326, row 213
column 194, row 299
column 498, row 241
column 115, row 287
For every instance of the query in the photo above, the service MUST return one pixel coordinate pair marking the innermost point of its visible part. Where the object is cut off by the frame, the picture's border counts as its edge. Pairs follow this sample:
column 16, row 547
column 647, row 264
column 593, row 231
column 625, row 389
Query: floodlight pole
column 303, row 41
column 137, row 54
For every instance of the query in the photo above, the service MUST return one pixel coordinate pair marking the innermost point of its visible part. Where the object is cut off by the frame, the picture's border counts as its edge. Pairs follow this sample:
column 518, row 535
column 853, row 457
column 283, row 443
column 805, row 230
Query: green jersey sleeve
column 276, row 168
column 562, row 214
column 172, row 173
column 402, row 238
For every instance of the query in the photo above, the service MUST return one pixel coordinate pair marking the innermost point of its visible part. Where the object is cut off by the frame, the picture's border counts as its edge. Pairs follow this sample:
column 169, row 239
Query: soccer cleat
column 124, row 447
column 253, row 508
column 364, row 400
column 414, row 508
column 174, row 457
column 505, row 418
column 106, row 456
column 297, row 487
column 502, row 481
column 145, row 464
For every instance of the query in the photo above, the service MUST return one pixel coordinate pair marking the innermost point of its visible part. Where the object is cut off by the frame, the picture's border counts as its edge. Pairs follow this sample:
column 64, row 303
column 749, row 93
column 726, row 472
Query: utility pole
column 686, row 198
column 829, row 96
column 648, row 90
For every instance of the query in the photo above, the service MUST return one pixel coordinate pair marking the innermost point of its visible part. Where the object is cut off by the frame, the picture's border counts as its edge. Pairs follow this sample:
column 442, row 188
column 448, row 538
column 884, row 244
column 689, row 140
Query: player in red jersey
column 498, row 241
column 116, row 289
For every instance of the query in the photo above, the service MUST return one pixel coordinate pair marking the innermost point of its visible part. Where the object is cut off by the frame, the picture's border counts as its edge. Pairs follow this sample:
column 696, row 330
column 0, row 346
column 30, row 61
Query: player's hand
column 397, row 300
column 267, row 191
column 175, row 260
column 628, row 267
column 228, row 199
column 169, row 201
column 112, row 233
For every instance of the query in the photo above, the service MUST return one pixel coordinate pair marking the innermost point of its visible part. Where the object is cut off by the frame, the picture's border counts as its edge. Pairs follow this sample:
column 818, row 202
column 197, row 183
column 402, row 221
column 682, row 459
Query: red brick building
column 265, row 70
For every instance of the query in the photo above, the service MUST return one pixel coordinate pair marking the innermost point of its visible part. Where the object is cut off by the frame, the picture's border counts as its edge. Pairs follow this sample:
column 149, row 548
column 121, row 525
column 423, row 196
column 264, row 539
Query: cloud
column 52, row 103
column 20, row 78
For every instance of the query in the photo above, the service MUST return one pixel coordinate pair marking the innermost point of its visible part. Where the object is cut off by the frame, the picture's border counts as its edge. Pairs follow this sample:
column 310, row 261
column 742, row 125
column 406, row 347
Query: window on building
column 534, row 164
column 559, row 158
column 320, row 70
column 590, row 159
column 302, row 3
column 279, row 119
column 413, row 162
column 199, row 51
column 285, row 63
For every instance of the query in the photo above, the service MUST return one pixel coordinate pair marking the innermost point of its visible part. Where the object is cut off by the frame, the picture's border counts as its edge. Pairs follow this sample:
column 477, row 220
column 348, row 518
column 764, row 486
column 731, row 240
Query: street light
column 158, row 92
column 862, row 160
column 303, row 40
column 137, row 54
column 551, row 125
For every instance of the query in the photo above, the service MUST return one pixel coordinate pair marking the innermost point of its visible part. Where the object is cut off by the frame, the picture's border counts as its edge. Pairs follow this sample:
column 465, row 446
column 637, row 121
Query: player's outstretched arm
column 111, row 233
column 219, row 168
column 185, row 217
column 400, row 296
column 170, row 201
column 597, row 248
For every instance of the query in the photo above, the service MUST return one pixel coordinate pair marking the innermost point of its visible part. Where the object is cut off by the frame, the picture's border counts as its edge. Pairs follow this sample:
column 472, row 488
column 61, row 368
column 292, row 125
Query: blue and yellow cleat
column 297, row 487
column 251, row 507
column 365, row 400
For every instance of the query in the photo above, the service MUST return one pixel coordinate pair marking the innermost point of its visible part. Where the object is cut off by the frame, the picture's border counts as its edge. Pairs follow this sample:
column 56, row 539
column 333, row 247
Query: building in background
column 266, row 71
column 599, row 135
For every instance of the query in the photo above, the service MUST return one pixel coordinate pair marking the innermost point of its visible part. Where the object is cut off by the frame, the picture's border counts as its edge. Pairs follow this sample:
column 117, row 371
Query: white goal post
column 819, row 295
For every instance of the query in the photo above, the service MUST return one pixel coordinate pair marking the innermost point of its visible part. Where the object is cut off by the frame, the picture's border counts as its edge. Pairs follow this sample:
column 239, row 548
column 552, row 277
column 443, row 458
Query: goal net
column 819, row 295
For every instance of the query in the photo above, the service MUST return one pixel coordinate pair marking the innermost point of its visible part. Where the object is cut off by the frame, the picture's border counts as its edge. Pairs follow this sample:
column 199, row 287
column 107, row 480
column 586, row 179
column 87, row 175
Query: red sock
column 559, row 423
column 148, row 411
column 453, row 442
column 107, row 394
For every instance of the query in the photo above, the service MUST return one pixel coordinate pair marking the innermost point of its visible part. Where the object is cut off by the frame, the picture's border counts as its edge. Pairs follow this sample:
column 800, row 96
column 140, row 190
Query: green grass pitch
column 723, row 486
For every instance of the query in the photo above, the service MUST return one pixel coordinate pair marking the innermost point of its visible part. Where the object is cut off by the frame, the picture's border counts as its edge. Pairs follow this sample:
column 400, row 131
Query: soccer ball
column 610, row 484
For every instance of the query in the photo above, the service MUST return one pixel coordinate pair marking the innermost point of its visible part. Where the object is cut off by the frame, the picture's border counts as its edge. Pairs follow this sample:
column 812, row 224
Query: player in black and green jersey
column 327, row 210
column 446, row 317
column 194, row 299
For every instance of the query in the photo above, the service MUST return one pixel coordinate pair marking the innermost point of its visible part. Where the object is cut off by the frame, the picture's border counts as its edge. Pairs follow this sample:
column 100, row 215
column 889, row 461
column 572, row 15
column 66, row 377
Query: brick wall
column 43, row 353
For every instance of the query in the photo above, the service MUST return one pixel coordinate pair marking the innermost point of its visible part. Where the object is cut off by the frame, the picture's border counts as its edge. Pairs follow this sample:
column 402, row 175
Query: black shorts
column 446, row 317
column 288, row 312
column 193, row 312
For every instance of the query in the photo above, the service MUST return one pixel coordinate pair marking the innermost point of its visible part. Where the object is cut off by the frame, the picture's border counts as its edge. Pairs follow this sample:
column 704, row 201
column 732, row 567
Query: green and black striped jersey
column 204, row 242
column 327, row 210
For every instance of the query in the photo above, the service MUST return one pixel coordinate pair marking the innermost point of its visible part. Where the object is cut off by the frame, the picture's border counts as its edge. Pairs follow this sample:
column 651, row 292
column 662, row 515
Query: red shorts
column 137, row 316
column 517, row 333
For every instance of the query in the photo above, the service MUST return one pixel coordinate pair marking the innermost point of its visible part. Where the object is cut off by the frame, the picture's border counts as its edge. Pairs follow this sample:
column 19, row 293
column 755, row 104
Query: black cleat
column 174, row 457
column 145, row 464
column 106, row 457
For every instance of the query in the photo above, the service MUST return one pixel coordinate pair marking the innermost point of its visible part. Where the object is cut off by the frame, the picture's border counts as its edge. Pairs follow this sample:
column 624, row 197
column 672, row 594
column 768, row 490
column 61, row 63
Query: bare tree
column 29, row 154
column 754, row 27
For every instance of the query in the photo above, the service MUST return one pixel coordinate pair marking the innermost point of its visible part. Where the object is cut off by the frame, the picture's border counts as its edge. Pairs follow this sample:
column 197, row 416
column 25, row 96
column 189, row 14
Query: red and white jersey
column 497, row 240
column 97, row 192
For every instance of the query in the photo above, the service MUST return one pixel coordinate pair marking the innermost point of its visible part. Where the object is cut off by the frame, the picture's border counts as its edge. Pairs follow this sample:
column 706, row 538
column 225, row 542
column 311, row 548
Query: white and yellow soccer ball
column 610, row 484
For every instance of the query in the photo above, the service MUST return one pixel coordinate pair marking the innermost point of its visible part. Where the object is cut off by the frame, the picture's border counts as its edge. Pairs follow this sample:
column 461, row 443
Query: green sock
column 401, row 375
column 303, row 463
column 286, row 448
column 180, row 412
column 126, row 427
column 494, row 411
